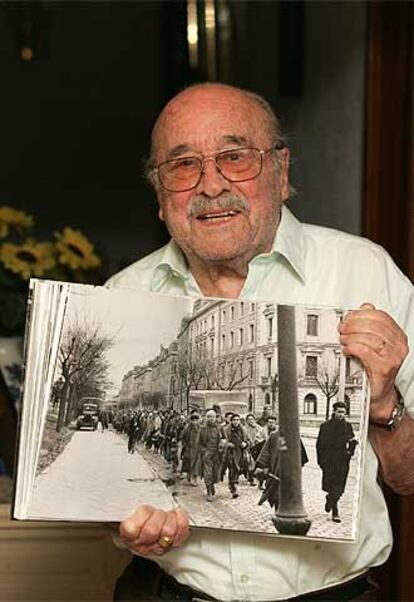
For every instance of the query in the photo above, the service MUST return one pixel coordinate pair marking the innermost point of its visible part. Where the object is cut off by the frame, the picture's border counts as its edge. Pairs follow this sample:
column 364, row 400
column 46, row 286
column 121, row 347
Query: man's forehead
column 206, row 120
column 233, row 140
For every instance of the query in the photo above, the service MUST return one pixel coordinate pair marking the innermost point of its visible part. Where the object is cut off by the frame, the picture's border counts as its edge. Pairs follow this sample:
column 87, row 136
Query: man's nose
column 212, row 183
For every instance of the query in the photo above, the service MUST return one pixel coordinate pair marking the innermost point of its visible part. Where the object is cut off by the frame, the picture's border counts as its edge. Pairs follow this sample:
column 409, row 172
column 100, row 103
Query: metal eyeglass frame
column 279, row 146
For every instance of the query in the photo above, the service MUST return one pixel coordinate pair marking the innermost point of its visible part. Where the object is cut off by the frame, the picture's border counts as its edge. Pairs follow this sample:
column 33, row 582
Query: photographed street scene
column 245, row 414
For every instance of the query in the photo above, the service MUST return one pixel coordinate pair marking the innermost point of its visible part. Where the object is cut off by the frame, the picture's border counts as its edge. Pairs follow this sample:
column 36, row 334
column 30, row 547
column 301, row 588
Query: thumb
column 130, row 528
column 367, row 306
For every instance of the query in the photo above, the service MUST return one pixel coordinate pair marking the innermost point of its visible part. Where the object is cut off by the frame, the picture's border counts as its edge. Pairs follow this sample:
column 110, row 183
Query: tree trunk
column 62, row 405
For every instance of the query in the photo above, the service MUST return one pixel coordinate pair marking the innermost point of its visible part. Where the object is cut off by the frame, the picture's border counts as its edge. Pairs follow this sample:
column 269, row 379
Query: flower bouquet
column 69, row 257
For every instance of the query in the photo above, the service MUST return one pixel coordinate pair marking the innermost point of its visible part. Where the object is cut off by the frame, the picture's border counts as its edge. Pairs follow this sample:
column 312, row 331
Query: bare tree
column 327, row 377
column 216, row 378
column 91, row 383
column 191, row 372
column 82, row 350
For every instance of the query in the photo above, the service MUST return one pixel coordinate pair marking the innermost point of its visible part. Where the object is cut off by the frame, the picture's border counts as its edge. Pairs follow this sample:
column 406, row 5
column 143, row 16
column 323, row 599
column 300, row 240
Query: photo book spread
column 245, row 414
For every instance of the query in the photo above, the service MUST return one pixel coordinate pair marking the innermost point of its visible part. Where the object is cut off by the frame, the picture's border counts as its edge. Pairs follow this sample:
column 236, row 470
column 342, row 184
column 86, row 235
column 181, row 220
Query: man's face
column 339, row 414
column 202, row 122
column 235, row 421
column 211, row 417
column 250, row 421
column 271, row 424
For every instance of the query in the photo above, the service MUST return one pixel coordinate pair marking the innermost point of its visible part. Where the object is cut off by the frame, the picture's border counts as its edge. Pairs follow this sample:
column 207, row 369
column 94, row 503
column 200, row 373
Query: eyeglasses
column 236, row 165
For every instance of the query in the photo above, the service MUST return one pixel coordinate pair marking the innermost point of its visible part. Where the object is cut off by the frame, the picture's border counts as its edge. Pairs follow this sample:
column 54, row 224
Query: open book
column 246, row 414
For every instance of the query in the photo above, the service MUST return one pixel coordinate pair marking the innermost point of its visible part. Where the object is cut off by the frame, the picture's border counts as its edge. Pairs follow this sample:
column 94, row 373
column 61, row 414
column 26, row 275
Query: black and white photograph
column 245, row 414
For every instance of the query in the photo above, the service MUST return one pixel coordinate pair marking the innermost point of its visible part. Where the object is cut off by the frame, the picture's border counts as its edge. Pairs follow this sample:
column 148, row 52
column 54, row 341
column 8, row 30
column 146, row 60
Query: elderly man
column 219, row 166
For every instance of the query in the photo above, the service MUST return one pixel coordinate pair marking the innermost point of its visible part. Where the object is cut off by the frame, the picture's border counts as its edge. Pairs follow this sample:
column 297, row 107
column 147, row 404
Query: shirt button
column 244, row 578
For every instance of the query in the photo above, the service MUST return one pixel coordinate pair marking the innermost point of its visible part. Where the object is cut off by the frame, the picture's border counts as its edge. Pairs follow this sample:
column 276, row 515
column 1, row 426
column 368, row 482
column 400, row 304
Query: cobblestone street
column 244, row 512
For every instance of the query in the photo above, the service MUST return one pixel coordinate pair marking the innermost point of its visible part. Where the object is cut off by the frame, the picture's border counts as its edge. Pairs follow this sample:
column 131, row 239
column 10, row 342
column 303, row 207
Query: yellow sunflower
column 29, row 259
column 75, row 250
column 13, row 217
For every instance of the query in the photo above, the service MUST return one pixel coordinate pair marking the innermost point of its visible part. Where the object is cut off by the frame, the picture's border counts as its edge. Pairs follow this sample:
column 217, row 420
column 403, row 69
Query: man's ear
column 161, row 214
column 284, row 174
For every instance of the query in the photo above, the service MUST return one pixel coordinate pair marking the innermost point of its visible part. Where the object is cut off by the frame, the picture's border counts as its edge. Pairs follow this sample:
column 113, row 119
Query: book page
column 129, row 421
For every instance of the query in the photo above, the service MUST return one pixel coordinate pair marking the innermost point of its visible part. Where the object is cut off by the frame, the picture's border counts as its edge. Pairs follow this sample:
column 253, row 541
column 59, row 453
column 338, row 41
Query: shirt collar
column 289, row 243
column 172, row 263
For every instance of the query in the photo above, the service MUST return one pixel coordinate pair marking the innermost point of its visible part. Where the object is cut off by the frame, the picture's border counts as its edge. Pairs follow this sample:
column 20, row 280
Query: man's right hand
column 143, row 530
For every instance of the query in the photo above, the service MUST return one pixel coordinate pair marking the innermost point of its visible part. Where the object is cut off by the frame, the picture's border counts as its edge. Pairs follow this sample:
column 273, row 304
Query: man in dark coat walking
column 211, row 445
column 237, row 443
column 335, row 447
column 190, row 438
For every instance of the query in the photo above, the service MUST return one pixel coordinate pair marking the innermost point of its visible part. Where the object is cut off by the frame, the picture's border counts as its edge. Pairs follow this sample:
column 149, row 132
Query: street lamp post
column 291, row 517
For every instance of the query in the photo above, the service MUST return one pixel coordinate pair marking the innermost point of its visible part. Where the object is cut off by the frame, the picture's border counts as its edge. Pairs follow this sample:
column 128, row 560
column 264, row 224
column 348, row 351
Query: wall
column 327, row 125
column 76, row 121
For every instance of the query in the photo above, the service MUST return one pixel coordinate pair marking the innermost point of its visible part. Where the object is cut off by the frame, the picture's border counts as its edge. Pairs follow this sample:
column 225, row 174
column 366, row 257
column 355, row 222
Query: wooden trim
column 388, row 139
column 388, row 208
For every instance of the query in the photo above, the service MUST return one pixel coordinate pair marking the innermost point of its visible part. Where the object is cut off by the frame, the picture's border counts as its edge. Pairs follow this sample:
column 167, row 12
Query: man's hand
column 374, row 338
column 147, row 526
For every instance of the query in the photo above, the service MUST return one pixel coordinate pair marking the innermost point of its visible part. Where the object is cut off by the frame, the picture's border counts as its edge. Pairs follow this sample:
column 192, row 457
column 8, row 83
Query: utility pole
column 291, row 517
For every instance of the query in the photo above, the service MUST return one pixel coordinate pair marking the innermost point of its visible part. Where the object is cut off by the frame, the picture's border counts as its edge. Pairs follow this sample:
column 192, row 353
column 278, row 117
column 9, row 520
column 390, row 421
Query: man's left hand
column 146, row 530
column 372, row 336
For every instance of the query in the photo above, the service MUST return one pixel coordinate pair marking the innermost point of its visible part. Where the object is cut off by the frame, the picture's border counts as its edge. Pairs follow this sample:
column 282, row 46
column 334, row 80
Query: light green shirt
column 307, row 265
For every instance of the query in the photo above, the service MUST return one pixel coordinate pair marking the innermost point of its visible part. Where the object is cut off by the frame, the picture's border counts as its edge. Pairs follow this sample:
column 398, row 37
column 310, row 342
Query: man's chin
column 215, row 256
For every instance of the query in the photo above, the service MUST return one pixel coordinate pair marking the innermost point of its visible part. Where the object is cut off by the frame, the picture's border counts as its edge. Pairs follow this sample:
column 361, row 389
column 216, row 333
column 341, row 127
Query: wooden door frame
column 388, row 207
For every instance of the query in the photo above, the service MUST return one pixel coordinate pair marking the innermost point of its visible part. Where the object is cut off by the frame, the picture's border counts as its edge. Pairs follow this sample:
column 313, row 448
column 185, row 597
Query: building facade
column 233, row 345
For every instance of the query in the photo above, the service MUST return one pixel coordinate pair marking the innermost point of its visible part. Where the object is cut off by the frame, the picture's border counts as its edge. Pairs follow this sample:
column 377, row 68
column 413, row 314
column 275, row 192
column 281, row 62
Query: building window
column 212, row 346
column 223, row 341
column 229, row 372
column 269, row 328
column 241, row 335
column 269, row 366
column 241, row 309
column 224, row 316
column 311, row 369
column 310, row 404
column 231, row 339
column 252, row 306
column 223, row 372
column 232, row 312
column 348, row 368
column 213, row 322
column 312, row 325
column 250, row 368
column 251, row 333
column 348, row 405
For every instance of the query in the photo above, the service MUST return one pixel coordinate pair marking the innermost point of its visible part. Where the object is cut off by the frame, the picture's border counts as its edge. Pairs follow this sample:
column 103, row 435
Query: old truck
column 223, row 401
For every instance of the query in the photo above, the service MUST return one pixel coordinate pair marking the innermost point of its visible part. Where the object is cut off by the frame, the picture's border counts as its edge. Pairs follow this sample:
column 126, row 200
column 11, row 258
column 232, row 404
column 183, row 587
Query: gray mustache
column 227, row 202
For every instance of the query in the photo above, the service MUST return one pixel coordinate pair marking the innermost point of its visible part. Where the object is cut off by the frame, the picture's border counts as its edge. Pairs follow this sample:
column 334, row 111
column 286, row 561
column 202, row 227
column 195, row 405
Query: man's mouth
column 217, row 215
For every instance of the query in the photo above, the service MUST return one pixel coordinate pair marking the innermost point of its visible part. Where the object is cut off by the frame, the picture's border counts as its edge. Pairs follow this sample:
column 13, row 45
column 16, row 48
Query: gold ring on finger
column 165, row 542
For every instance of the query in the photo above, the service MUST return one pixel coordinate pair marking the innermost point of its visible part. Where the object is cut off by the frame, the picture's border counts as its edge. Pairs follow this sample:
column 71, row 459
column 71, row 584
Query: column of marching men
column 207, row 446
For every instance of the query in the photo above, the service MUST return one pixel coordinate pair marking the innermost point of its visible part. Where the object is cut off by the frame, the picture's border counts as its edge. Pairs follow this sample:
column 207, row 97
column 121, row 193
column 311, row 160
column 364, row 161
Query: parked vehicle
column 88, row 415
column 223, row 401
